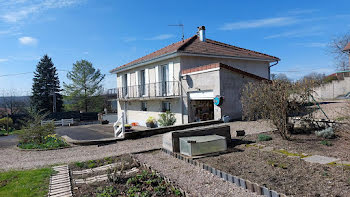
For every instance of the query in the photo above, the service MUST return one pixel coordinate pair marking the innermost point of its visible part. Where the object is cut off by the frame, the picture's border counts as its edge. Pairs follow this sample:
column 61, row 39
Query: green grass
column 25, row 183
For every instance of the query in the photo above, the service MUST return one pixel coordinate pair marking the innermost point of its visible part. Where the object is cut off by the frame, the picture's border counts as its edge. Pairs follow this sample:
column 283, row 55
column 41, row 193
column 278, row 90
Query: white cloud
column 26, row 40
column 3, row 60
column 313, row 44
column 265, row 22
column 161, row 37
column 15, row 11
column 313, row 31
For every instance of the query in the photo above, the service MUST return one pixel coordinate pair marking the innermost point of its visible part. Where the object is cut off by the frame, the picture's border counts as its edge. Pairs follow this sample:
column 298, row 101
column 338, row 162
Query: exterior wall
column 201, row 82
column 333, row 90
column 231, row 85
column 154, row 108
column 259, row 68
column 152, row 76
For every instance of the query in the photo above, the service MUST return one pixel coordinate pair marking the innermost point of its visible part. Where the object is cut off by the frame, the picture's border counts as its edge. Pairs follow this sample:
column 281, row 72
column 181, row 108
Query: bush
column 37, row 133
column 327, row 133
column 263, row 137
column 167, row 119
column 6, row 123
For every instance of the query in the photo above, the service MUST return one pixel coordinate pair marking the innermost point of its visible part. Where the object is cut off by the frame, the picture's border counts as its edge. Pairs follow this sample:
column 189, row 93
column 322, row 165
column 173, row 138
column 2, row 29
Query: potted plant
column 151, row 122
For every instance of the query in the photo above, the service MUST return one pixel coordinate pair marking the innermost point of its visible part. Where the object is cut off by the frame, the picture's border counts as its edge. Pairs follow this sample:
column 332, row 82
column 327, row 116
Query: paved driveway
column 8, row 141
column 87, row 132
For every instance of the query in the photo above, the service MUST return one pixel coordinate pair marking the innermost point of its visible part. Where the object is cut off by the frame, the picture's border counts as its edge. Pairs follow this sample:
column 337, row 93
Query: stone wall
column 332, row 90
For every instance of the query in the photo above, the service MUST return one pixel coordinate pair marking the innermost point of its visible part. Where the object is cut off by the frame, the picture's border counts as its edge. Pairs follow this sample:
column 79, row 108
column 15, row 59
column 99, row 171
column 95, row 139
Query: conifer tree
column 46, row 87
column 84, row 91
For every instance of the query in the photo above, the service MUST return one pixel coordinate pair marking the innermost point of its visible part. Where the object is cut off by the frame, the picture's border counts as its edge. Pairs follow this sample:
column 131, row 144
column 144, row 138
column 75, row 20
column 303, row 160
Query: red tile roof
column 347, row 47
column 193, row 45
column 221, row 65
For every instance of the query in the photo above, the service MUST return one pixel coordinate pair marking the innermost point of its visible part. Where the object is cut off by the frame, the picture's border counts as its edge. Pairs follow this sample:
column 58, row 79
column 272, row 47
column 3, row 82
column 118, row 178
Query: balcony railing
column 151, row 90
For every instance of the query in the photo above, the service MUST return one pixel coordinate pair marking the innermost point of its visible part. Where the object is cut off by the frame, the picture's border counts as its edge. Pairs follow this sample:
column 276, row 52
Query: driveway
column 8, row 141
column 87, row 132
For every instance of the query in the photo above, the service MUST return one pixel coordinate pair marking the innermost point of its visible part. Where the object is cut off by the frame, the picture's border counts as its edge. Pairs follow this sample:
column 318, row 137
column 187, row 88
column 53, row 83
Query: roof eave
column 181, row 53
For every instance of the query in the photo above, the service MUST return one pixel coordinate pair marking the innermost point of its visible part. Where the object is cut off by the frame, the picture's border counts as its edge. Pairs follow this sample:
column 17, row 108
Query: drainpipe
column 270, row 68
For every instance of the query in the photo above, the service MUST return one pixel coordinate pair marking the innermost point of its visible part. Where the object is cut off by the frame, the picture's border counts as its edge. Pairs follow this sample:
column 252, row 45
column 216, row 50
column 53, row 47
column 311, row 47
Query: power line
column 16, row 74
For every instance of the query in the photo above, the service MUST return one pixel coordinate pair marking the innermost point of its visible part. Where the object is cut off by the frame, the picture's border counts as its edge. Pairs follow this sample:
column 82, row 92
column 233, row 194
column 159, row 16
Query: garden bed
column 285, row 174
column 310, row 144
column 50, row 142
column 141, row 182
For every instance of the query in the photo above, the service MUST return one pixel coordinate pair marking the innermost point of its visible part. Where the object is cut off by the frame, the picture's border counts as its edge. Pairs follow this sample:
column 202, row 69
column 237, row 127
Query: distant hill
column 25, row 99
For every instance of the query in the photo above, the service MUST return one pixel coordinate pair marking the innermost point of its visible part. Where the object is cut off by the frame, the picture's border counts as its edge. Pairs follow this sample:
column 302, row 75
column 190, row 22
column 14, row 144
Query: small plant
column 151, row 122
column 326, row 143
column 327, row 133
column 79, row 164
column 166, row 119
column 108, row 191
column 264, row 137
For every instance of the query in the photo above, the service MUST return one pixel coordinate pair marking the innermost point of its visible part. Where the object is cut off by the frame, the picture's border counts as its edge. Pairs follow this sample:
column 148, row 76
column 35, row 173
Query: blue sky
column 110, row 33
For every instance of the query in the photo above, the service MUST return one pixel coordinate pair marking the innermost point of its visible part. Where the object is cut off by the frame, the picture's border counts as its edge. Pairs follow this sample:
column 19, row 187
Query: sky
column 110, row 33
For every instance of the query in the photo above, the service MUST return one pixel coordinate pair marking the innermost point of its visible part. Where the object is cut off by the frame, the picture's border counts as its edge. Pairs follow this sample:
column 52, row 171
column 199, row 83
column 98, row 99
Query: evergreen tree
column 45, row 84
column 85, row 90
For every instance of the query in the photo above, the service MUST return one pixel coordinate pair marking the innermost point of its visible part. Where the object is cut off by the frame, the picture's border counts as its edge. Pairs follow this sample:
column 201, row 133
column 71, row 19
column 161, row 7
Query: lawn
column 25, row 183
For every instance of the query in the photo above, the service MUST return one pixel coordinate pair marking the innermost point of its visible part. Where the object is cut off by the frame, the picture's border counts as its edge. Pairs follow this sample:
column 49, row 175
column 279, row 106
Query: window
column 125, row 84
column 143, row 106
column 142, row 82
column 166, row 106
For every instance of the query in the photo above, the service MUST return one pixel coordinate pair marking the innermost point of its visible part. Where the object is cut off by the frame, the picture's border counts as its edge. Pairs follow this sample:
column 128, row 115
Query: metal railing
column 150, row 90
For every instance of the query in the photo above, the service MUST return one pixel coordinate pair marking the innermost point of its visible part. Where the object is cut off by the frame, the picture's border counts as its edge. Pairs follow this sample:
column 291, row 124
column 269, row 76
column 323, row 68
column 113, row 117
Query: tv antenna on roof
column 182, row 28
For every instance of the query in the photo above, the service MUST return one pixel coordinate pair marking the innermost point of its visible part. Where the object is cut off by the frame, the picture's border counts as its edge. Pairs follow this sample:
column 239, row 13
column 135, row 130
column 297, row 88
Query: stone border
column 60, row 184
column 20, row 149
column 240, row 182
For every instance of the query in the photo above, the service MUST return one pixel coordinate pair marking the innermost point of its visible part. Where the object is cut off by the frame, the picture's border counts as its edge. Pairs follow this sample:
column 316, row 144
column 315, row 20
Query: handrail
column 159, row 89
column 119, row 130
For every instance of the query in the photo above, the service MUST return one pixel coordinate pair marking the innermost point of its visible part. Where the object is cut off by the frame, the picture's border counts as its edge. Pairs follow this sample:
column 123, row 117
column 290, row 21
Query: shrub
column 327, row 133
column 263, row 137
column 167, row 119
column 37, row 133
column 6, row 123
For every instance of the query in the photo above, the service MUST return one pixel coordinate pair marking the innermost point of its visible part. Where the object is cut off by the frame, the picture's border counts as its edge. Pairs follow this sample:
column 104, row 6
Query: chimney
column 201, row 32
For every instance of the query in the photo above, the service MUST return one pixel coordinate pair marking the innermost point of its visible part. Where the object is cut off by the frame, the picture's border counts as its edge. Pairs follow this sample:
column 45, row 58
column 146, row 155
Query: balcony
column 165, row 89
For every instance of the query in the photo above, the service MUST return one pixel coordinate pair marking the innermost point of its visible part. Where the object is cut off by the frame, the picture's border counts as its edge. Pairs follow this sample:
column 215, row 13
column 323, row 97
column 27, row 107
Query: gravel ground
column 334, row 109
column 250, row 127
column 195, row 181
column 12, row 158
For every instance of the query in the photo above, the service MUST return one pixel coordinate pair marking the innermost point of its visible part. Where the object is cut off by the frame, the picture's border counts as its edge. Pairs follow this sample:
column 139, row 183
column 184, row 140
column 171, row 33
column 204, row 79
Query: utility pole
column 54, row 103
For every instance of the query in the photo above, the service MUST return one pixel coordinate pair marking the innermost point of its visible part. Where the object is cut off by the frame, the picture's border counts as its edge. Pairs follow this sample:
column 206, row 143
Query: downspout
column 270, row 68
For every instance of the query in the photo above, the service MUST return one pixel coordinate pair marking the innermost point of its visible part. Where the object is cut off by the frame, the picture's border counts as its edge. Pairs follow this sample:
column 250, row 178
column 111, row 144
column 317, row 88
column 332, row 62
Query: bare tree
column 336, row 48
column 276, row 101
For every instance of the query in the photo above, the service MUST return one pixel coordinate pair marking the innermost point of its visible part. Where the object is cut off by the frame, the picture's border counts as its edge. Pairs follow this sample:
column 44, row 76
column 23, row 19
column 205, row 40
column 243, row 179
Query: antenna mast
column 182, row 28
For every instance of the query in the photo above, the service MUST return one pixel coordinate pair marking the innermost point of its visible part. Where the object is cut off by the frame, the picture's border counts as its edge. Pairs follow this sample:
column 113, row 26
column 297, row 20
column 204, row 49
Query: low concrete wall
column 161, row 130
column 333, row 90
column 171, row 140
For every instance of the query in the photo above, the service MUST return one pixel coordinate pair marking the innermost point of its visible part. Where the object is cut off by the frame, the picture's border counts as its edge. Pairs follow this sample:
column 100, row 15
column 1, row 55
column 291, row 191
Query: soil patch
column 288, row 175
column 310, row 144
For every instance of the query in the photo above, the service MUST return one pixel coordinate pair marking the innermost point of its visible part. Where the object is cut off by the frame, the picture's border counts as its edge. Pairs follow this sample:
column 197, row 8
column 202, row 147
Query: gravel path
column 12, row 158
column 195, row 181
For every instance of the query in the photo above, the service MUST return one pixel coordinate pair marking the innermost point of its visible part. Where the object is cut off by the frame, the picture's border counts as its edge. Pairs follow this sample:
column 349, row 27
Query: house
column 186, row 76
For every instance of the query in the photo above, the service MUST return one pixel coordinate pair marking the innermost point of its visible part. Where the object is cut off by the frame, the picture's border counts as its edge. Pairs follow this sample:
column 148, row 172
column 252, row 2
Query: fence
column 62, row 122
